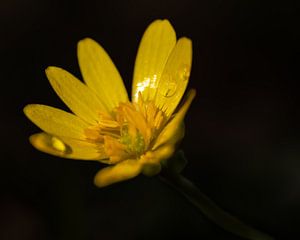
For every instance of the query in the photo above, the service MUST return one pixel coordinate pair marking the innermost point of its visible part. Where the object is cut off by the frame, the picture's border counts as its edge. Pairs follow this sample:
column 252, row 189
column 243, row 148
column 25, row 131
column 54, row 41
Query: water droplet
column 168, row 86
column 60, row 146
column 184, row 72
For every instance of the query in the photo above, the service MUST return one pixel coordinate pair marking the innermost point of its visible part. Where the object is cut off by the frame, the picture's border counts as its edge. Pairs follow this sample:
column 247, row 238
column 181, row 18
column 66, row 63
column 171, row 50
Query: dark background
column 242, row 132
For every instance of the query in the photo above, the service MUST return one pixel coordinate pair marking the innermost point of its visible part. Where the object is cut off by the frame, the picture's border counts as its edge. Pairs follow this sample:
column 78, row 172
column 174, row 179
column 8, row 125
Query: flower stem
column 210, row 209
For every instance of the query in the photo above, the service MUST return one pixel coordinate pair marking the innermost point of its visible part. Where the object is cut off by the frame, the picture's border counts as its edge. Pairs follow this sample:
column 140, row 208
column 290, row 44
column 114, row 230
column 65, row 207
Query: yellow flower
column 132, row 137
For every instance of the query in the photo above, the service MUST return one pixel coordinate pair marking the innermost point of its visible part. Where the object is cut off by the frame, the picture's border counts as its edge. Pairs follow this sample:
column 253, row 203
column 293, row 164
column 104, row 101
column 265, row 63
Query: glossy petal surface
column 120, row 172
column 156, row 45
column 55, row 121
column 66, row 147
column 175, row 77
column 100, row 73
column 76, row 95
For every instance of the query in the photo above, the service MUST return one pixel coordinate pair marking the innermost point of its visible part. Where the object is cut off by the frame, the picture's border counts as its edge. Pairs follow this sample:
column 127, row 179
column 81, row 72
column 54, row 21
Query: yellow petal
column 175, row 76
column 151, row 161
column 75, row 94
column 119, row 172
column 55, row 121
column 100, row 73
column 174, row 130
column 156, row 45
column 66, row 147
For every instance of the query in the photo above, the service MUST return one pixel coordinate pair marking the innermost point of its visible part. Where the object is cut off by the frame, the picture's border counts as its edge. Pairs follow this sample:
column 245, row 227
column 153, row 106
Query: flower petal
column 55, row 121
column 152, row 160
column 100, row 73
column 75, row 94
column 67, row 147
column 175, row 77
column 174, row 130
column 119, row 172
column 156, row 45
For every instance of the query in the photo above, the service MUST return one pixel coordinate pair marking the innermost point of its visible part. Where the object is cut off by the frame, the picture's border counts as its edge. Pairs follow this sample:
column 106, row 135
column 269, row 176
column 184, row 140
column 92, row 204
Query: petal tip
column 86, row 40
column 98, row 183
column 29, row 110
column 186, row 40
column 36, row 140
column 166, row 22
column 52, row 70
column 100, row 180
column 49, row 69
column 161, row 23
column 86, row 43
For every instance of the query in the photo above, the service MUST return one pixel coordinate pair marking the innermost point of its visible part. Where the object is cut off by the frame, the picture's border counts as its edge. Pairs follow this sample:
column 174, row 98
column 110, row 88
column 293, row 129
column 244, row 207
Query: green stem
column 210, row 209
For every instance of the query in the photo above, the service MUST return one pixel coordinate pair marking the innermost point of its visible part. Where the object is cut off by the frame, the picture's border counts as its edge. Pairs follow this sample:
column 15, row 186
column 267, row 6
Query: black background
column 242, row 131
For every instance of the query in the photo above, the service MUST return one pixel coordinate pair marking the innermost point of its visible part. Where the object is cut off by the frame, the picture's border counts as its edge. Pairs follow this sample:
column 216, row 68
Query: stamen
column 128, row 131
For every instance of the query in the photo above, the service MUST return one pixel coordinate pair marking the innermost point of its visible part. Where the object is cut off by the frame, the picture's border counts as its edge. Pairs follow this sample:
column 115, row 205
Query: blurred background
column 242, row 132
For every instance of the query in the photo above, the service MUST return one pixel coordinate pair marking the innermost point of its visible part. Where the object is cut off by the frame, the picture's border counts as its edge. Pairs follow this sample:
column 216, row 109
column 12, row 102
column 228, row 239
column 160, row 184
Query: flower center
column 133, row 140
column 128, row 132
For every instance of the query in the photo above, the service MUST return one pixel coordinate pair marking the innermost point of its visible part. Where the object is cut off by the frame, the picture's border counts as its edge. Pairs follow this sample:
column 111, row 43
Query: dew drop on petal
column 184, row 72
column 168, row 85
column 59, row 145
